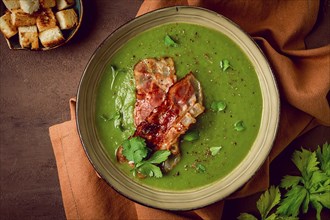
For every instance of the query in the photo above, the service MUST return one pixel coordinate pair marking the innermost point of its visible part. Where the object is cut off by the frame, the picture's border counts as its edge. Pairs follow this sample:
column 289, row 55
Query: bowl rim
column 275, row 100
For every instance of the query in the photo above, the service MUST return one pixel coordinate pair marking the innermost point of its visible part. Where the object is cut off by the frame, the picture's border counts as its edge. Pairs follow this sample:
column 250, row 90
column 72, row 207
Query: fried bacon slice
column 163, row 127
column 164, row 108
column 153, row 78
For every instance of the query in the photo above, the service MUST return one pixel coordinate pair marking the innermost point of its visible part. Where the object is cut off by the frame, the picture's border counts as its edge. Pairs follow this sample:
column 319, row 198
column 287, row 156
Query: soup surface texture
column 232, row 100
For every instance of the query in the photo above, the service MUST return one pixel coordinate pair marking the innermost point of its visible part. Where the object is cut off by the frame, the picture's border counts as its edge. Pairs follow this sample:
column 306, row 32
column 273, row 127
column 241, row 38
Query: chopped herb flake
column 114, row 75
column 200, row 168
column 224, row 65
column 218, row 106
column 191, row 136
column 239, row 126
column 170, row 42
column 215, row 150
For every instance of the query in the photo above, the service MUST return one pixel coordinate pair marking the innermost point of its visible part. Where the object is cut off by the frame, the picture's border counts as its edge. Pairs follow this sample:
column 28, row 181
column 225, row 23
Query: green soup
column 204, row 52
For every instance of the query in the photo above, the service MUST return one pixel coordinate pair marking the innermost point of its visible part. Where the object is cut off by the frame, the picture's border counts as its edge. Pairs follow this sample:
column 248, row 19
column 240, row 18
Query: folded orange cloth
column 279, row 27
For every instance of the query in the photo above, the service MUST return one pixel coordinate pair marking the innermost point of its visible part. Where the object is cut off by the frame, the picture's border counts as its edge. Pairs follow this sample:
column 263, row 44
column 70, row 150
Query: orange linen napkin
column 303, row 76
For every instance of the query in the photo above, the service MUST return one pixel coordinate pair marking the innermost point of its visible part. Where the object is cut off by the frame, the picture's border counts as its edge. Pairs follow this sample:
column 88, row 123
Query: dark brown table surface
column 35, row 88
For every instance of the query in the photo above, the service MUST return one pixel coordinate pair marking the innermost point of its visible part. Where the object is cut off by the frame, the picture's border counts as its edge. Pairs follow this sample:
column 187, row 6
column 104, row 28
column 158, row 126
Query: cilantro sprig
column 311, row 189
column 136, row 150
column 149, row 168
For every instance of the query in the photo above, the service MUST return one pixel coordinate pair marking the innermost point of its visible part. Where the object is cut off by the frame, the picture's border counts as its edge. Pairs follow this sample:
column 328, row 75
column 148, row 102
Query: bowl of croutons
column 39, row 24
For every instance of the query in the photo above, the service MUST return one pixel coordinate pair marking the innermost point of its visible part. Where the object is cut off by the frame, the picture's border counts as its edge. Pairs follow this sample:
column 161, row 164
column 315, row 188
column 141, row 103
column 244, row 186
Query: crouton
column 29, row 6
column 11, row 4
column 63, row 4
column 20, row 18
column 46, row 20
column 6, row 27
column 51, row 37
column 47, row 3
column 67, row 19
column 28, row 37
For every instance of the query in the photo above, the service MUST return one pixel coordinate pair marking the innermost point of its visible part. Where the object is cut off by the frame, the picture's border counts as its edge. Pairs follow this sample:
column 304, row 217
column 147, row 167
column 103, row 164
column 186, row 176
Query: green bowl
column 165, row 199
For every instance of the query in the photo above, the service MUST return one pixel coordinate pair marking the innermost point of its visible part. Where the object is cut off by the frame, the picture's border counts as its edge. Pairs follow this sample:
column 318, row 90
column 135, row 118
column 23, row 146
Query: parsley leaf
column 159, row 156
column 246, row 216
column 306, row 162
column 290, row 181
column 149, row 168
column 312, row 188
column 290, row 205
column 224, row 65
column 268, row 200
column 135, row 149
column 323, row 155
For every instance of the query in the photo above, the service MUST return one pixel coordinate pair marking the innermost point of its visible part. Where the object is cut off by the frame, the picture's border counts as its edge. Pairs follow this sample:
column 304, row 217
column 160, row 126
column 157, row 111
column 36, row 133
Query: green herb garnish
column 124, row 103
column 200, row 168
column 218, row 106
column 169, row 41
column 105, row 117
column 323, row 156
column 312, row 188
column 191, row 136
column 149, row 168
column 215, row 150
column 267, row 201
column 136, row 150
column 114, row 76
column 239, row 126
column 224, row 65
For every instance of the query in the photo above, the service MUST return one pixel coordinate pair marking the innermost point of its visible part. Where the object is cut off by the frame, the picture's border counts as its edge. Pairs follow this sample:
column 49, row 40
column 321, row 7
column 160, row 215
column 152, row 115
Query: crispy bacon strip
column 153, row 78
column 183, row 103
